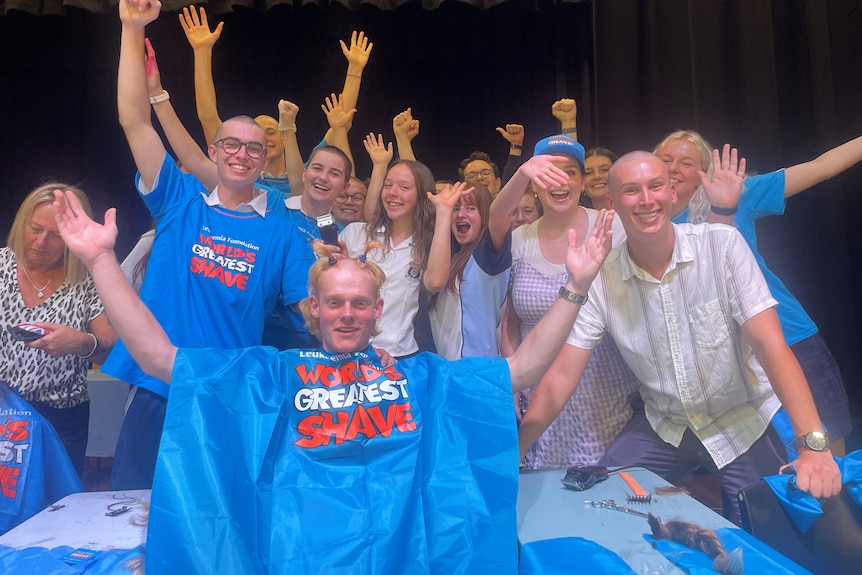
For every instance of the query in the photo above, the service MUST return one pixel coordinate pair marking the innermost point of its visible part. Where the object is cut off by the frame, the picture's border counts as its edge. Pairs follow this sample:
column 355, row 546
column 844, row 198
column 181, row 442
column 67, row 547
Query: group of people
column 635, row 330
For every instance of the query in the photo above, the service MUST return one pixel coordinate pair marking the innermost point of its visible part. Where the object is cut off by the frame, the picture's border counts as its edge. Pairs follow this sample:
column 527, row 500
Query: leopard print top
column 35, row 375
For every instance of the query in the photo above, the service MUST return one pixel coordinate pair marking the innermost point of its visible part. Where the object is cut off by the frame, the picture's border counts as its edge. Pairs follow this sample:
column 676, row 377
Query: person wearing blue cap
column 600, row 408
column 693, row 316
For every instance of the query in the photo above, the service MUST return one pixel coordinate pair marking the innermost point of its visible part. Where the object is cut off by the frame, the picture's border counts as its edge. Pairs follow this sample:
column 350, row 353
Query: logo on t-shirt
column 226, row 259
column 354, row 400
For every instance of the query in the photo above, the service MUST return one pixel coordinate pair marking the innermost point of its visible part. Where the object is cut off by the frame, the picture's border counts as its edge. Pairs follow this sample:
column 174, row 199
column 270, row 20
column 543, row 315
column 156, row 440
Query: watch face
column 815, row 441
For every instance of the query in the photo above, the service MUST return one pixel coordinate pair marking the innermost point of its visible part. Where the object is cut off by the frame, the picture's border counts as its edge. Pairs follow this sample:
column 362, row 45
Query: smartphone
column 26, row 332
column 328, row 229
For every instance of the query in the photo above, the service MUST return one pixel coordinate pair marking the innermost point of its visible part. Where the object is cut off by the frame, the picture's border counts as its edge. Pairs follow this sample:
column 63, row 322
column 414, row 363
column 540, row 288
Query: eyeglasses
column 486, row 173
column 232, row 146
column 355, row 198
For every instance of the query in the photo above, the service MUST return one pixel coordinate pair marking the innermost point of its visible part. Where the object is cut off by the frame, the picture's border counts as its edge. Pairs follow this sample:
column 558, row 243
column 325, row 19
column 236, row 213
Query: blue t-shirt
column 303, row 461
column 214, row 274
column 763, row 195
column 285, row 329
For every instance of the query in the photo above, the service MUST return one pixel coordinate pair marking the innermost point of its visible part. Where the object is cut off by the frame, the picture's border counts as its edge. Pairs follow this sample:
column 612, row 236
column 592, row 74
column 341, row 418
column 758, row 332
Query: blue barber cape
column 309, row 462
column 35, row 469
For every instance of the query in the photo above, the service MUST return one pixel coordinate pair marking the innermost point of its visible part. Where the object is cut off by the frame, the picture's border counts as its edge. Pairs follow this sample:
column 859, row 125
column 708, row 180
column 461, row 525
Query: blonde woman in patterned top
column 41, row 284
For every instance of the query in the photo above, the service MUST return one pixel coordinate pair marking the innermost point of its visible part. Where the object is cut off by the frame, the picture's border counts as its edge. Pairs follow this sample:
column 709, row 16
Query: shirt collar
column 257, row 203
column 682, row 252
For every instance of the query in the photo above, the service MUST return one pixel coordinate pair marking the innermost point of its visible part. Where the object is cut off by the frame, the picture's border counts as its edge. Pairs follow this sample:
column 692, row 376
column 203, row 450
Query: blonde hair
column 325, row 262
column 44, row 194
column 698, row 205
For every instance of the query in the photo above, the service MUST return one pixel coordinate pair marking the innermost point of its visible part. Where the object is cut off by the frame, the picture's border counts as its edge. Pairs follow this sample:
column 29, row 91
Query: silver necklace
column 39, row 291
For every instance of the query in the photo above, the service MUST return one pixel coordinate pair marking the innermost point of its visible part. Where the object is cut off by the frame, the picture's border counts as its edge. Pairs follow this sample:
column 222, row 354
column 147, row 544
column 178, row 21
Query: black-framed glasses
column 232, row 146
column 486, row 173
column 355, row 198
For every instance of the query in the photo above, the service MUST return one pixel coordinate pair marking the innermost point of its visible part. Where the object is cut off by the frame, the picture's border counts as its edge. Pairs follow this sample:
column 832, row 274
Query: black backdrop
column 780, row 79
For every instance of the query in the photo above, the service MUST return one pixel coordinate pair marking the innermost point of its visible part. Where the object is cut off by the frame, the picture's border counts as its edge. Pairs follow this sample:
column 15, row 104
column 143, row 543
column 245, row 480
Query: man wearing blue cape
column 328, row 460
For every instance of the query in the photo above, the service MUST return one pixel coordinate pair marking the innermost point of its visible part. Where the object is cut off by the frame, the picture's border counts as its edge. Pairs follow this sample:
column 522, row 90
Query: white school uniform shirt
column 400, row 291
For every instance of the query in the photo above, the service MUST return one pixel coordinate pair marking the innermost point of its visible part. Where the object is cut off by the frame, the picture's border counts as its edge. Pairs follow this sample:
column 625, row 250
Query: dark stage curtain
column 778, row 78
column 57, row 7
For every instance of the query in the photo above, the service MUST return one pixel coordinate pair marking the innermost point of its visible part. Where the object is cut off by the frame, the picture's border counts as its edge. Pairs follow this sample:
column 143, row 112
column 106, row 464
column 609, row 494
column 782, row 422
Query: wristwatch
column 813, row 440
column 572, row 296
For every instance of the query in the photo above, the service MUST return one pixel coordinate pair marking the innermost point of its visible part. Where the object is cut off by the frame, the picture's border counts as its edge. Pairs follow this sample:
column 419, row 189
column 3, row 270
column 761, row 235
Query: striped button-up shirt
column 681, row 336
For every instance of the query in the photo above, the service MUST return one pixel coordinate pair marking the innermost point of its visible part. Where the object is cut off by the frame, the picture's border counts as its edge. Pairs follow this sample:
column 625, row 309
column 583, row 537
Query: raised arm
column 357, row 57
column 133, row 102
column 535, row 354
column 294, row 167
column 405, row 128
column 186, row 149
column 440, row 257
column 132, row 320
column 339, row 120
column 566, row 111
column 380, row 155
column 538, row 169
column 816, row 472
column 800, row 177
column 202, row 40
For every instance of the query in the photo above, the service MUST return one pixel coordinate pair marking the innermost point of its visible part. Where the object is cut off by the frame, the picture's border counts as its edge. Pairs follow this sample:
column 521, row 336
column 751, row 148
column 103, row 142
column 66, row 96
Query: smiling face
column 480, row 171
column 274, row 143
column 347, row 304
column 238, row 171
column 642, row 195
column 527, row 211
column 324, row 179
column 562, row 200
column 596, row 170
column 683, row 159
column 349, row 205
column 399, row 195
column 43, row 247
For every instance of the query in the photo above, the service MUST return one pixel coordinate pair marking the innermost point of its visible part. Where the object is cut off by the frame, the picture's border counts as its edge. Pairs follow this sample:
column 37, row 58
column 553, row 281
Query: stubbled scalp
column 701, row 539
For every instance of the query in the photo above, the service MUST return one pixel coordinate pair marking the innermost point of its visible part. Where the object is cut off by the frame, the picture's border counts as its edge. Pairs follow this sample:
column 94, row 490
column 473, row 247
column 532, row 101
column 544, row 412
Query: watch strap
column 572, row 296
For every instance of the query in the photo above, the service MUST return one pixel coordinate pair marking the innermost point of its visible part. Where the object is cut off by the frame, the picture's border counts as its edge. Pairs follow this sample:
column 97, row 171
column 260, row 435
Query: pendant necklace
column 39, row 291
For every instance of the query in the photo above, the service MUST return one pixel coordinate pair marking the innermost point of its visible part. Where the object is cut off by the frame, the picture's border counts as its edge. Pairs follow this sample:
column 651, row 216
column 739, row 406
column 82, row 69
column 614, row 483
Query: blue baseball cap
column 560, row 144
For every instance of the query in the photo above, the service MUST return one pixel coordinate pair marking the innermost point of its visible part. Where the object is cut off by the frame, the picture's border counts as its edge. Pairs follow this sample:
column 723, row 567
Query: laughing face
column 467, row 222
column 564, row 199
column 324, row 179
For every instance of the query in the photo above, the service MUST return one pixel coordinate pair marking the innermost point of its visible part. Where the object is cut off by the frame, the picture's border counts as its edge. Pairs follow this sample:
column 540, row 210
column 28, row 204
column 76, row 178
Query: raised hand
column 543, row 172
column 405, row 126
column 447, row 198
column 139, row 13
column 565, row 110
column 513, row 133
column 84, row 237
column 360, row 49
column 197, row 28
column 287, row 112
column 154, row 78
column 336, row 115
column 725, row 186
column 584, row 261
column 377, row 150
